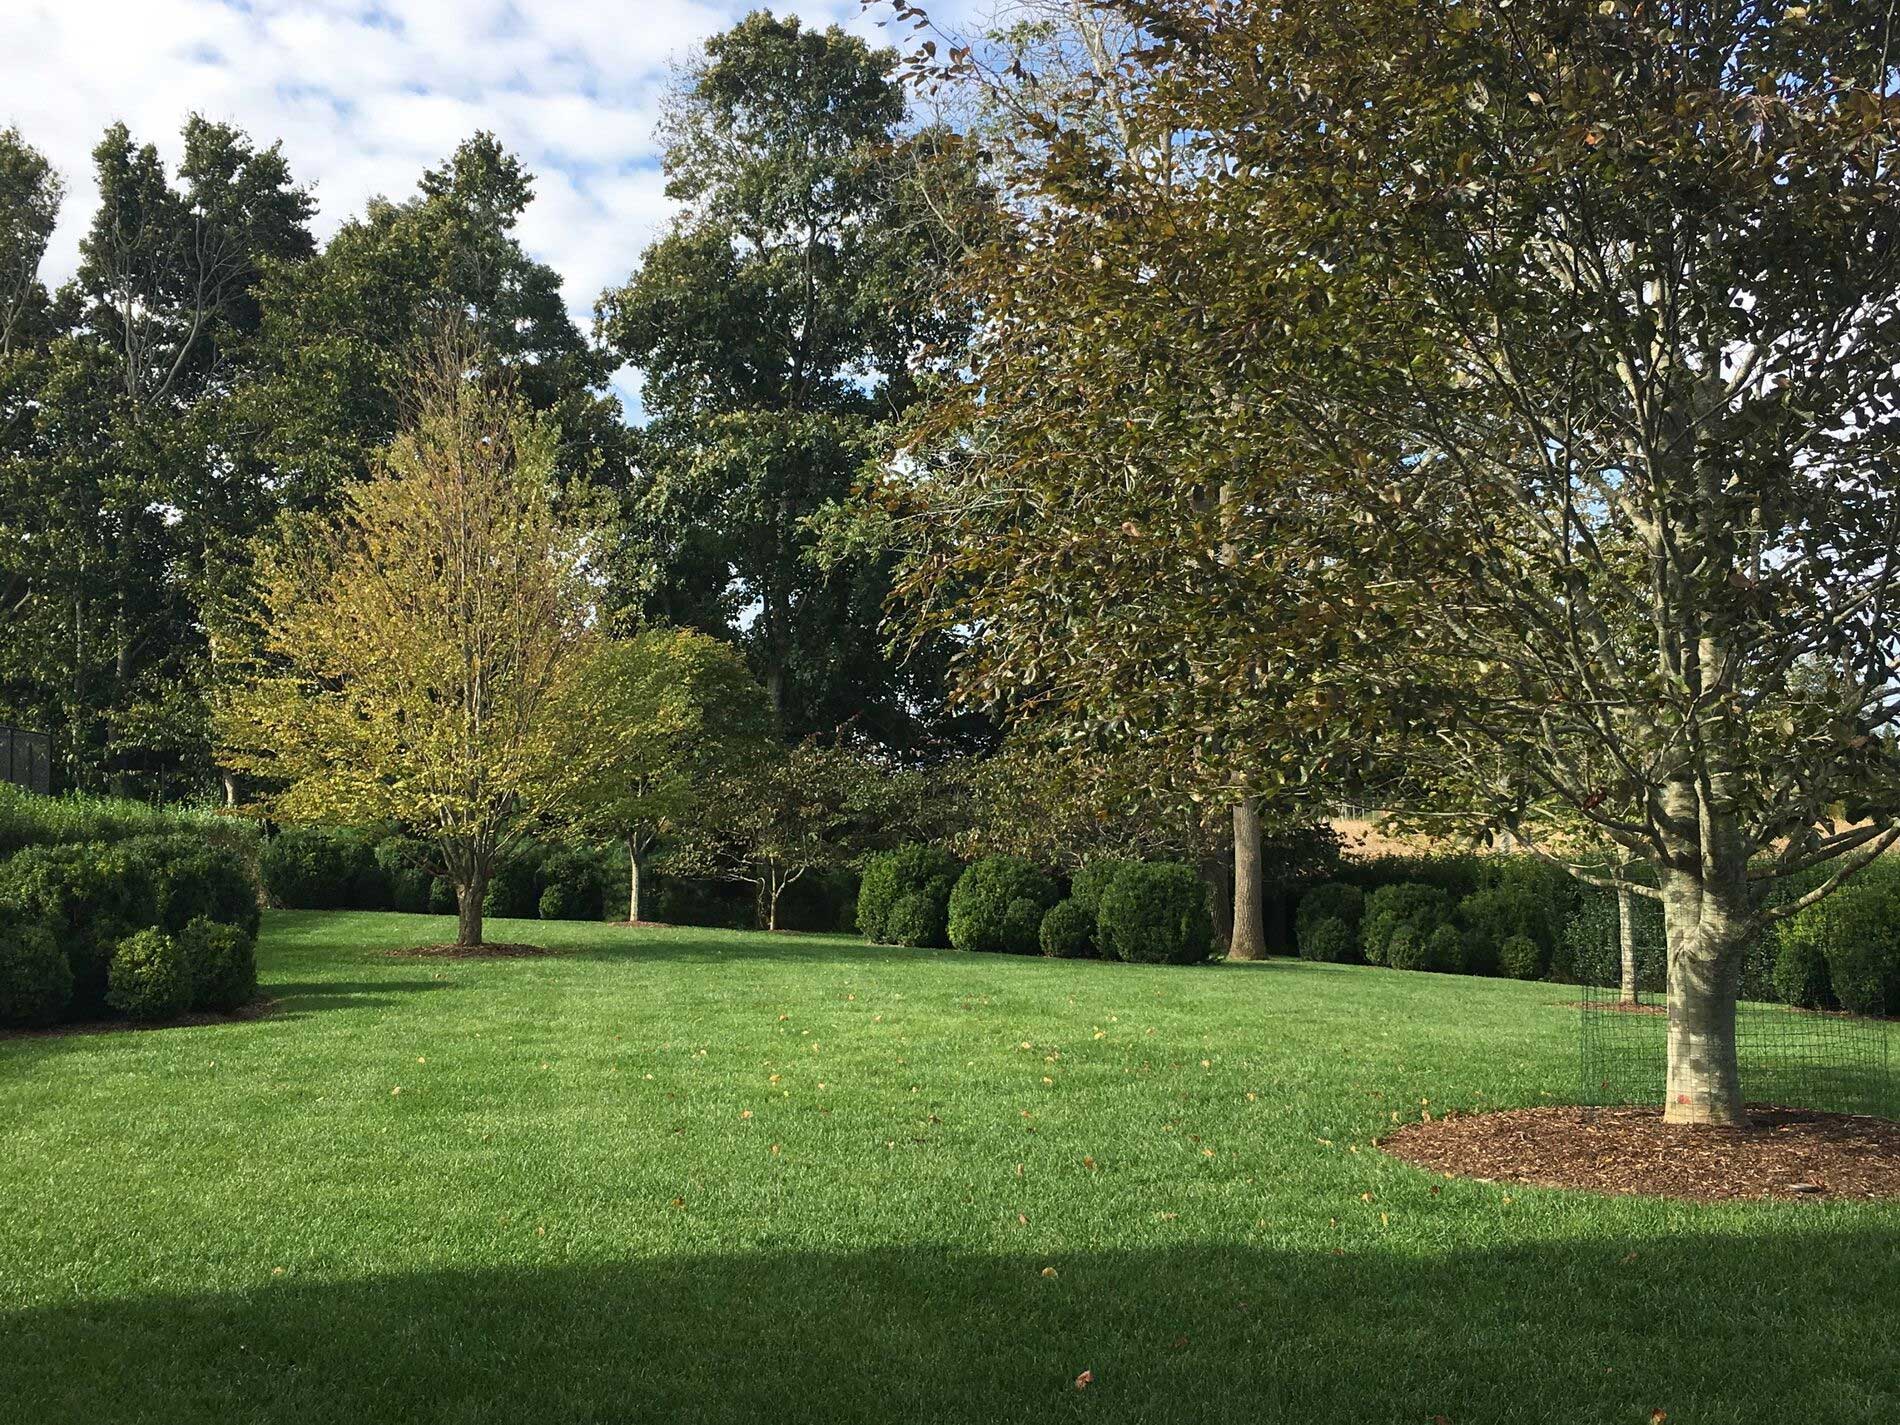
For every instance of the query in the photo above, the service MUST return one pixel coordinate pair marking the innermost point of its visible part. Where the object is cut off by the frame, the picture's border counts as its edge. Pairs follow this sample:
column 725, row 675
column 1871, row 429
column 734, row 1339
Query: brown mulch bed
column 471, row 952
column 1784, row 1153
column 256, row 1009
column 1616, row 1006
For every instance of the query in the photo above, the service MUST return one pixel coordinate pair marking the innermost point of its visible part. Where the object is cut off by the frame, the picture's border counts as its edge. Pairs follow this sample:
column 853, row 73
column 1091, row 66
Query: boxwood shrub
column 90, row 898
column 221, row 961
column 1155, row 913
column 148, row 978
column 1092, row 878
column 920, row 875
column 1522, row 958
column 1067, row 931
column 572, row 886
column 36, row 979
column 195, row 881
column 1801, row 972
column 322, row 868
column 1412, row 906
column 1326, row 925
column 1496, row 914
column 998, row 905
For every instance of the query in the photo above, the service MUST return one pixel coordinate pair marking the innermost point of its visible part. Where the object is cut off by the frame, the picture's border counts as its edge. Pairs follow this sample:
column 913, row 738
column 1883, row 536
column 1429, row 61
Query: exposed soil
column 1784, row 1153
column 256, row 1009
column 471, row 952
column 1616, row 1006
column 642, row 924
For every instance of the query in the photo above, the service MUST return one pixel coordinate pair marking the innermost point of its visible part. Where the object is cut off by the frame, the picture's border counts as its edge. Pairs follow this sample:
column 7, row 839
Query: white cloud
column 365, row 94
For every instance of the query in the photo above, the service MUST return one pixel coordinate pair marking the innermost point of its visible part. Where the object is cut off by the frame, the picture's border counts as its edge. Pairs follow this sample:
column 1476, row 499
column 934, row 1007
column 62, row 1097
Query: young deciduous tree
column 418, row 656
column 673, row 711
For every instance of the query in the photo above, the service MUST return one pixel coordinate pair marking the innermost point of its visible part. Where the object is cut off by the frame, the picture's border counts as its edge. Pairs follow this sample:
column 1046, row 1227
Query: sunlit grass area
column 681, row 1175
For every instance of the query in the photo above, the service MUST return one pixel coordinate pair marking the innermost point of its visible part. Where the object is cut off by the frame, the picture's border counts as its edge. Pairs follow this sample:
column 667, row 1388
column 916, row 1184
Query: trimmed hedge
column 1326, row 925
column 221, row 960
column 1498, row 914
column 1410, row 906
column 917, row 877
column 148, row 978
column 1522, row 958
column 90, row 898
column 36, row 979
column 1155, row 913
column 322, row 868
column 1067, row 931
column 997, row 905
column 1092, row 878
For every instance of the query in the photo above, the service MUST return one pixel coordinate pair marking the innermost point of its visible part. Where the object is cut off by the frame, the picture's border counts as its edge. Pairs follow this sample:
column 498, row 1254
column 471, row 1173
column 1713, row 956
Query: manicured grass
column 697, row 1175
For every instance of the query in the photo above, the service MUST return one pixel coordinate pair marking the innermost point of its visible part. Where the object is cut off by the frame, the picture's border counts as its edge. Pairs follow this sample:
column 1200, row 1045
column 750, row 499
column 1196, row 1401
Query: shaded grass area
column 990, row 1176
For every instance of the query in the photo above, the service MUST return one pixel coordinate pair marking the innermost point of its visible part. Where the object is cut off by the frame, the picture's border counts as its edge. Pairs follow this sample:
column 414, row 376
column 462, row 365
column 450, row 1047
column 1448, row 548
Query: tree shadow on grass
column 1790, row 1326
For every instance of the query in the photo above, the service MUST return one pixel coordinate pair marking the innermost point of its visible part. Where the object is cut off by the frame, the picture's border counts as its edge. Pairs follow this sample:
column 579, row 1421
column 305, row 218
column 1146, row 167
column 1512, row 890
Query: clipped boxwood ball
column 919, row 919
column 1067, row 931
column 1328, row 940
column 984, row 914
column 1522, row 958
column 148, row 978
column 1155, row 913
column 222, row 961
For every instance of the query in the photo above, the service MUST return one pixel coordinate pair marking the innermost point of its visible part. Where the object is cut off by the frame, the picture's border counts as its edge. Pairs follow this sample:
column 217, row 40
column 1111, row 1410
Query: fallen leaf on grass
column 1082, row 1381
column 1048, row 1271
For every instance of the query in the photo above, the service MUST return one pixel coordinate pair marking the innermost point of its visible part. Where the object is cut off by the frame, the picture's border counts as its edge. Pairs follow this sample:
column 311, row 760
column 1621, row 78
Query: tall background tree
column 1587, row 320
column 778, row 327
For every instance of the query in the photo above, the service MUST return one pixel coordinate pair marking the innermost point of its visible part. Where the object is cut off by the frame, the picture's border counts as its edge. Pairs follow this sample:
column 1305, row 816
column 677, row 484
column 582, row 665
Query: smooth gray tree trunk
column 633, row 882
column 1626, row 938
column 1249, row 940
column 468, row 913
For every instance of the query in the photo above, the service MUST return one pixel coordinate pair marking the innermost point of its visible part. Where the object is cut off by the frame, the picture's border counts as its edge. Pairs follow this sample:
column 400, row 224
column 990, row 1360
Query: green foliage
column 807, row 254
column 1068, row 931
column 405, row 862
column 1155, row 913
column 149, row 977
column 915, row 870
column 321, row 868
column 1092, row 879
column 1411, row 906
column 1520, row 957
column 29, row 820
column 1500, row 912
column 919, row 919
column 1857, row 930
column 1328, row 939
column 36, row 979
column 984, row 910
column 1801, row 976
column 1330, row 908
column 221, row 961
column 194, row 881
column 89, row 897
column 514, row 887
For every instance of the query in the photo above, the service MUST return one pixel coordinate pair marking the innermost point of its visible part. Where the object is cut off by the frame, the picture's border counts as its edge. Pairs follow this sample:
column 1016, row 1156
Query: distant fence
column 26, row 759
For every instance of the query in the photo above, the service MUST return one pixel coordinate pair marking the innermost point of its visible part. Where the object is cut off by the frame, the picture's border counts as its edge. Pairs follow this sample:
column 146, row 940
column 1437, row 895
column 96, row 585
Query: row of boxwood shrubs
column 146, row 928
column 1511, row 926
column 379, row 868
column 922, row 896
column 324, row 868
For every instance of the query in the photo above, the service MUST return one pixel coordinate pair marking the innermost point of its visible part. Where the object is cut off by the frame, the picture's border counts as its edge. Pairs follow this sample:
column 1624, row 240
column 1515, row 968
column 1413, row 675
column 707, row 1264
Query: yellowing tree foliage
column 416, row 656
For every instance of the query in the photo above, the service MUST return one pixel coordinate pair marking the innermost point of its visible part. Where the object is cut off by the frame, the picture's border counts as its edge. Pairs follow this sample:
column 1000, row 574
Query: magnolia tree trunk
column 468, row 911
column 1626, row 937
column 1249, row 940
column 1706, row 930
column 633, row 881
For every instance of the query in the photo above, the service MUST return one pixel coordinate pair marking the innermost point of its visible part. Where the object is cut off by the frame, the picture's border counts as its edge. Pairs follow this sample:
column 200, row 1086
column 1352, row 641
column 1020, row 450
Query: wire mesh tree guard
column 1790, row 1058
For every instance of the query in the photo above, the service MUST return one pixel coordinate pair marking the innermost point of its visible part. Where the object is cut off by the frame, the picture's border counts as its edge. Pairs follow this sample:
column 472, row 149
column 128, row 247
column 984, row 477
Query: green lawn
column 700, row 1175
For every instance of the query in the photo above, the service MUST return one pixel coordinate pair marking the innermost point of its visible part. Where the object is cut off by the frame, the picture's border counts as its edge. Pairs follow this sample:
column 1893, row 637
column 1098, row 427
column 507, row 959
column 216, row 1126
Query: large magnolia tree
column 417, row 656
column 1580, row 323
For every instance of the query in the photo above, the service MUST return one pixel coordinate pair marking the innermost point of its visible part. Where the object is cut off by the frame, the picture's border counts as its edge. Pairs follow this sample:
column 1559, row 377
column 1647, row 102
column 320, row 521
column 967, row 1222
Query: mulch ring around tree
column 1783, row 1153
column 471, row 952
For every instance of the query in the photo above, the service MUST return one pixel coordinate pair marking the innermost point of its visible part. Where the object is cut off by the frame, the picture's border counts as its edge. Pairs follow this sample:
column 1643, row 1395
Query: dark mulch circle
column 256, row 1009
column 471, row 952
column 1784, row 1153
column 1616, row 1006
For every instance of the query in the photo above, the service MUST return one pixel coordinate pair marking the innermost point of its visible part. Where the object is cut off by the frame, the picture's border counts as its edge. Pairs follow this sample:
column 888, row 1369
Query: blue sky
column 365, row 94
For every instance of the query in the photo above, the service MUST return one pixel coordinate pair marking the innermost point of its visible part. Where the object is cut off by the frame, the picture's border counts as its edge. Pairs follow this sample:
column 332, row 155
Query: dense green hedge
column 1155, row 913
column 27, row 820
column 178, row 902
column 904, row 897
column 997, row 905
